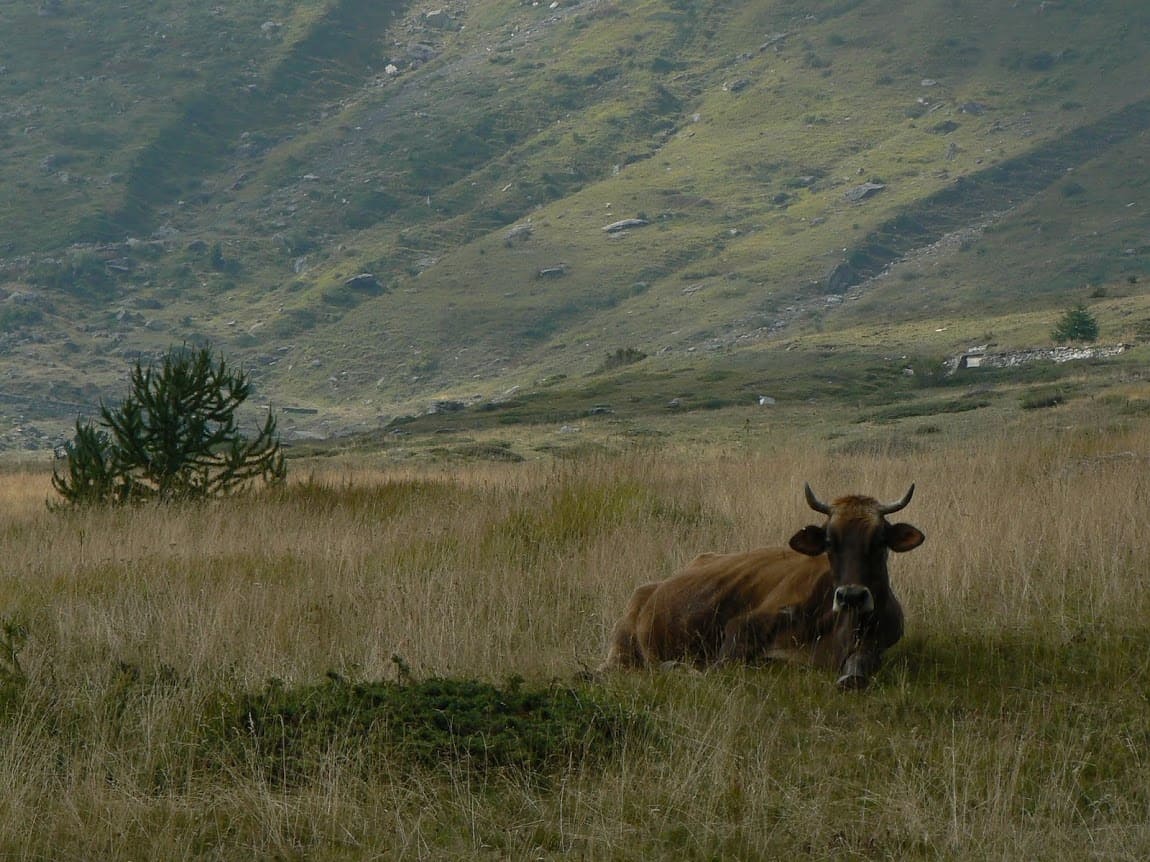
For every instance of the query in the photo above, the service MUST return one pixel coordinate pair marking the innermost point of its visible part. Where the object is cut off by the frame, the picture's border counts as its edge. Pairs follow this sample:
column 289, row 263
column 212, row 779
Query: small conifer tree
column 175, row 437
column 1077, row 324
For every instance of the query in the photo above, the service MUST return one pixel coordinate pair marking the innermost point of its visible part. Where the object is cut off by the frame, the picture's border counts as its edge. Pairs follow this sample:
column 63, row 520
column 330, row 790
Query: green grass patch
column 925, row 407
column 577, row 512
column 442, row 724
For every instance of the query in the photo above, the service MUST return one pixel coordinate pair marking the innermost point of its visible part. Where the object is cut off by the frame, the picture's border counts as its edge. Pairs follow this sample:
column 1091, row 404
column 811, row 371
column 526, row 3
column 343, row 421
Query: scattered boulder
column 862, row 192
column 124, row 317
column 775, row 40
column 519, row 233
column 421, row 52
column 440, row 19
column 365, row 282
column 557, row 271
column 737, row 85
column 841, row 278
column 625, row 224
column 253, row 145
column 975, row 109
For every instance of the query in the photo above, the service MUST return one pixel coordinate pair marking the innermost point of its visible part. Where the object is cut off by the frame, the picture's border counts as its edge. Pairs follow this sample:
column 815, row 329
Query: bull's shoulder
column 756, row 557
column 771, row 563
column 742, row 579
column 804, row 588
column 703, row 558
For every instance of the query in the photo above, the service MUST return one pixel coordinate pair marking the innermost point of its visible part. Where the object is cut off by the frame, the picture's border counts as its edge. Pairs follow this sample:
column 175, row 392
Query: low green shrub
column 434, row 723
column 1043, row 398
column 621, row 357
column 925, row 408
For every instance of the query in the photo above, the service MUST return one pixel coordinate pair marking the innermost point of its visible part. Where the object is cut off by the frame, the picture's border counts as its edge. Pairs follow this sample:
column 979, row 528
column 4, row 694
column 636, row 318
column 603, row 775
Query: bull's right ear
column 903, row 537
column 811, row 541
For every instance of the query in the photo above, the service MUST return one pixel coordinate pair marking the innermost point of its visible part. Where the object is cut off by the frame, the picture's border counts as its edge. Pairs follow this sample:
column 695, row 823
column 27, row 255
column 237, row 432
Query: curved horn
column 891, row 508
column 814, row 502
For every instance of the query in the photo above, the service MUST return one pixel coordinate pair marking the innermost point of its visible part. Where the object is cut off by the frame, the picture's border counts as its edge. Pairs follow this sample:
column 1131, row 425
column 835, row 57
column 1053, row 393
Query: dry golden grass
column 1010, row 723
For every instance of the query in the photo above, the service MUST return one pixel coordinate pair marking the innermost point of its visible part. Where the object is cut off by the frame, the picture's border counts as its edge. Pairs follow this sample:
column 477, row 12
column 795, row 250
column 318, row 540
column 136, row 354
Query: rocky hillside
column 377, row 206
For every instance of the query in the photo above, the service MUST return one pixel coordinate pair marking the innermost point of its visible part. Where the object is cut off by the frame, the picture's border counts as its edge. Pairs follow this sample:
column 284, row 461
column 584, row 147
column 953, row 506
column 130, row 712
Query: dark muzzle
column 853, row 598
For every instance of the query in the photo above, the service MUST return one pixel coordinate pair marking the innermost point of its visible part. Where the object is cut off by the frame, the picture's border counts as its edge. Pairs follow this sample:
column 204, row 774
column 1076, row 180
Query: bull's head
column 856, row 539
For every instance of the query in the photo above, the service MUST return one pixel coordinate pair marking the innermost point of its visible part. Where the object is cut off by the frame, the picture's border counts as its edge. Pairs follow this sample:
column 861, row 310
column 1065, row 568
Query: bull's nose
column 853, row 598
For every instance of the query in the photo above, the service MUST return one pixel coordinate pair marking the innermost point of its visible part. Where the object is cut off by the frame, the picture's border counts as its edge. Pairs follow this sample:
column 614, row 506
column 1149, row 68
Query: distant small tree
column 622, row 356
column 175, row 437
column 1077, row 324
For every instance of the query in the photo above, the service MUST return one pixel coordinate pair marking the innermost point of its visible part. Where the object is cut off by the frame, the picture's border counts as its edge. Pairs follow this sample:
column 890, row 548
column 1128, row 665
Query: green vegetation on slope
column 470, row 157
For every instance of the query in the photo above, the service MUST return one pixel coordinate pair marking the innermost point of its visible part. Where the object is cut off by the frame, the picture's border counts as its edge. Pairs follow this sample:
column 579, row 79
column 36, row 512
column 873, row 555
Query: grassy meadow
column 1011, row 722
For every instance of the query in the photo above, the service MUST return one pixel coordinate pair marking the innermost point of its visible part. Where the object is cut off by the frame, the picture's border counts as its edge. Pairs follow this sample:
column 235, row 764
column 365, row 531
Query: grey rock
column 862, row 192
column 421, row 52
column 624, row 224
column 775, row 40
column 842, row 277
column 440, row 19
column 365, row 282
column 519, row 233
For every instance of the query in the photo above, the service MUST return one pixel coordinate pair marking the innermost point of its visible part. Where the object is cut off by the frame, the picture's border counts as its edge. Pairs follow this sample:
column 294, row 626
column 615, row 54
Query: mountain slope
column 800, row 167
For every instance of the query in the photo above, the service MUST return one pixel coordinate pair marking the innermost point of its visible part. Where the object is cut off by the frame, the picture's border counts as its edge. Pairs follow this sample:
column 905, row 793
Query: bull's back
column 685, row 615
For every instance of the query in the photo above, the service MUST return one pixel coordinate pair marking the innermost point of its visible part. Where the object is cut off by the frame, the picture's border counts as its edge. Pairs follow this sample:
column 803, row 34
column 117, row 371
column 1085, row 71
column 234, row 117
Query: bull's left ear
column 811, row 541
column 903, row 537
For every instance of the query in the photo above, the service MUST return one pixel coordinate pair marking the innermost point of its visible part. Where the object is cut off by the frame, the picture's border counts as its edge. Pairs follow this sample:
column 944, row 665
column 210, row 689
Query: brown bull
column 825, row 601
